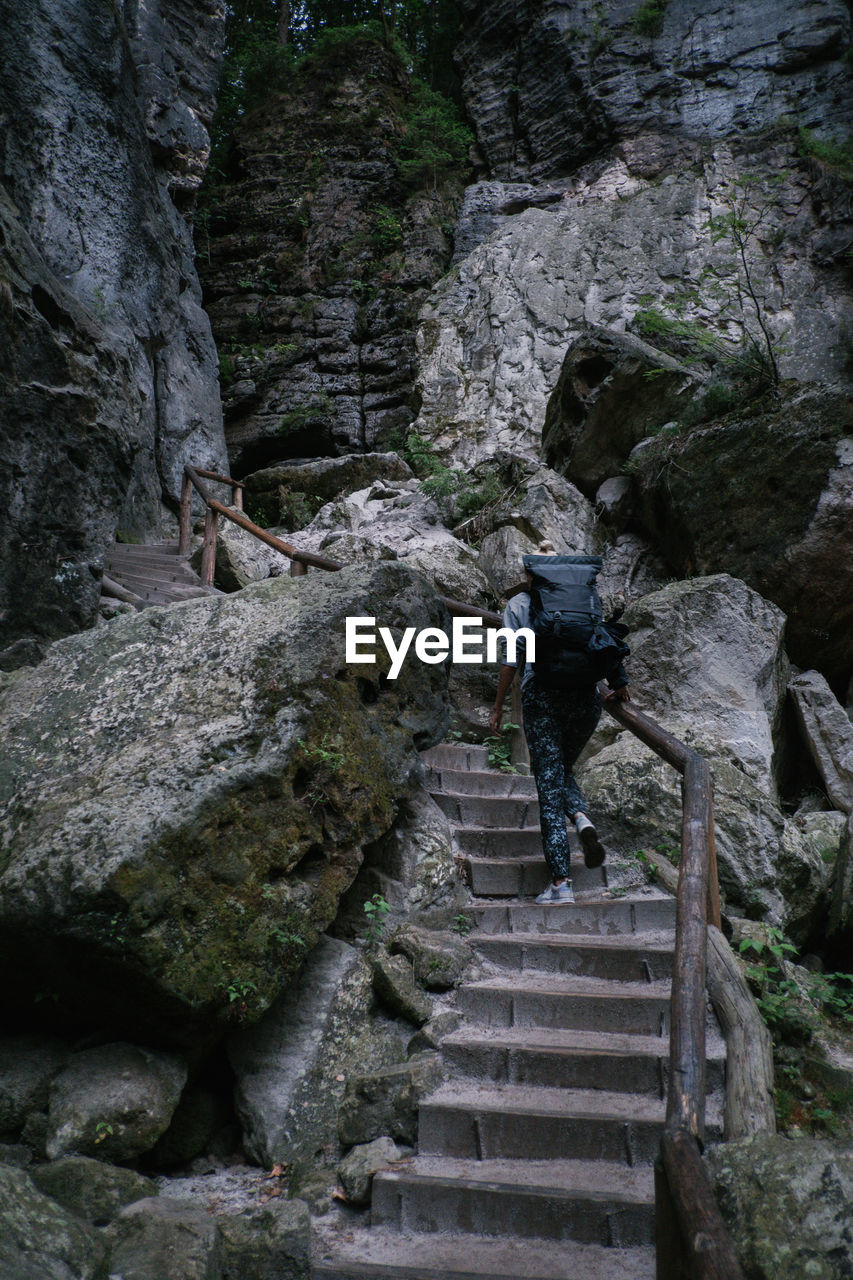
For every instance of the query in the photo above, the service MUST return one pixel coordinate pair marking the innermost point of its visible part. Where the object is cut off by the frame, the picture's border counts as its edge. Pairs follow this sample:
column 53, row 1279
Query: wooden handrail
column 683, row 1194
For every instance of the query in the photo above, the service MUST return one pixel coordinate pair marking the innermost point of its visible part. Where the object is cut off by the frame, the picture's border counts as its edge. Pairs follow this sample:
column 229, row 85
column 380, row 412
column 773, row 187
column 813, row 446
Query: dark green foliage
column 434, row 141
column 793, row 1009
column 258, row 63
column 838, row 155
column 648, row 19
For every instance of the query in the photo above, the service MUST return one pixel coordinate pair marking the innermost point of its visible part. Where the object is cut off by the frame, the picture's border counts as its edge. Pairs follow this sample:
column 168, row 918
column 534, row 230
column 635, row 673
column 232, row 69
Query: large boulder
column 291, row 1067
column 398, row 517
column 613, row 389
column 395, row 985
column 28, row 1064
column 217, row 1231
column 629, row 248
column 828, row 734
column 707, row 659
column 185, row 794
column 114, row 1101
column 708, row 662
column 39, row 1240
column 280, row 494
column 91, row 1189
column 241, row 558
column 159, row 1237
column 439, row 957
column 384, row 1103
column 767, row 495
column 548, row 88
column 104, row 339
column 540, row 504
column 770, row 867
column 787, row 1205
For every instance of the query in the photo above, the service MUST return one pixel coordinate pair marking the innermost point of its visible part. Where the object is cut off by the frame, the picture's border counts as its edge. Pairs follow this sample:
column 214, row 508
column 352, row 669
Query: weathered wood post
column 185, row 519
column 208, row 547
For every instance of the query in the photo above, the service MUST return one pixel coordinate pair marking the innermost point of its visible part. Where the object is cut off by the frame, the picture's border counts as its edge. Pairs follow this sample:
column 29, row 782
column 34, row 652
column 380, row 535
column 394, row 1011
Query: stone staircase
column 535, row 1158
column 154, row 572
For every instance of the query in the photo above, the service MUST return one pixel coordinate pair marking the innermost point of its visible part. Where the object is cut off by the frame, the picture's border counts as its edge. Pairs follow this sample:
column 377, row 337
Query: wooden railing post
column 686, row 1102
column 715, row 916
column 298, row 569
column 185, row 519
column 237, row 496
column 208, row 548
column 669, row 1246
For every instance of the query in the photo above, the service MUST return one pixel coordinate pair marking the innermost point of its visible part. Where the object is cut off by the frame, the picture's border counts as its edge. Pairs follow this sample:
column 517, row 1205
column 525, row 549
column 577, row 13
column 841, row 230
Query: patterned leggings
column 558, row 723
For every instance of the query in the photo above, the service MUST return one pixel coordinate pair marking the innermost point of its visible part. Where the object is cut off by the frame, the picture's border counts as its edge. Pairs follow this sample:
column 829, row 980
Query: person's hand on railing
column 618, row 695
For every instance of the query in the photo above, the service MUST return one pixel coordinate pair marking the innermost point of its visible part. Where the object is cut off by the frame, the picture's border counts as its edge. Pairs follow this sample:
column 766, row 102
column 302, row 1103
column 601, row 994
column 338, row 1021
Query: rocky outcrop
column 114, row 1101
column 292, row 492
column 625, row 249
column 828, row 734
column 765, row 494
column 109, row 368
column 708, row 655
column 787, row 1204
column 707, row 658
column 316, row 259
column 398, row 518
column 198, row 1241
column 384, row 1103
column 39, row 1238
column 186, row 794
column 291, row 1068
column 90, row 1189
column 537, row 503
column 612, row 392
column 548, row 88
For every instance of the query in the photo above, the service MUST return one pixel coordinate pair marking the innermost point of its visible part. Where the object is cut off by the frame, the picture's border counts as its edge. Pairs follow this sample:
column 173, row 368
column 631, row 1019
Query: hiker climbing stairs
column 151, row 573
column 535, row 1157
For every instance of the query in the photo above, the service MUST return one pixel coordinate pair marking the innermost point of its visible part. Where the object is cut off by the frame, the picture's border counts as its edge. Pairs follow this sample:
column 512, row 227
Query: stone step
column 499, row 842
column 591, row 1202
column 572, row 1059
column 379, row 1254
column 593, row 916
column 584, row 1004
column 456, row 755
column 488, row 811
column 520, row 1122
column 619, row 959
column 525, row 877
column 481, row 782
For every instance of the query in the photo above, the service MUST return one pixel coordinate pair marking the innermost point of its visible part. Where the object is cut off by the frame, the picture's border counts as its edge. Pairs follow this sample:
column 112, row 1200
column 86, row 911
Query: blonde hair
column 546, row 548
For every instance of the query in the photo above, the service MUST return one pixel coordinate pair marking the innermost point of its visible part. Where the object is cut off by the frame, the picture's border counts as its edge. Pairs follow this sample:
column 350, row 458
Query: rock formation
column 549, row 88
column 109, row 368
column 315, row 257
column 631, row 246
column 186, row 794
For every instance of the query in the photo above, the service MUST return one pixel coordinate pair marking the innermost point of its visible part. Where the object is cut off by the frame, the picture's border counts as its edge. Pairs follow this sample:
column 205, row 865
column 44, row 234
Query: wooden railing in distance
column 692, row 1242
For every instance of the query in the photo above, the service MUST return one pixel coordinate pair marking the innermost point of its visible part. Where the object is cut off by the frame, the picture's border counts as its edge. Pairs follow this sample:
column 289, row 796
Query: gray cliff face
column 103, row 308
column 549, row 85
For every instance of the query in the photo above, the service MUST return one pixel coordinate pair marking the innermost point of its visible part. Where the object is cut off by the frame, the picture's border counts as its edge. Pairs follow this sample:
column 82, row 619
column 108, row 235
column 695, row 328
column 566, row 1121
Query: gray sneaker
column 557, row 893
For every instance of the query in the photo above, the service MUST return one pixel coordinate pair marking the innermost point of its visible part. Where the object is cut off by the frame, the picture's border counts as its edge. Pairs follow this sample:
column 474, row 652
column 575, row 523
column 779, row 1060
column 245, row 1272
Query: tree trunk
column 284, row 21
